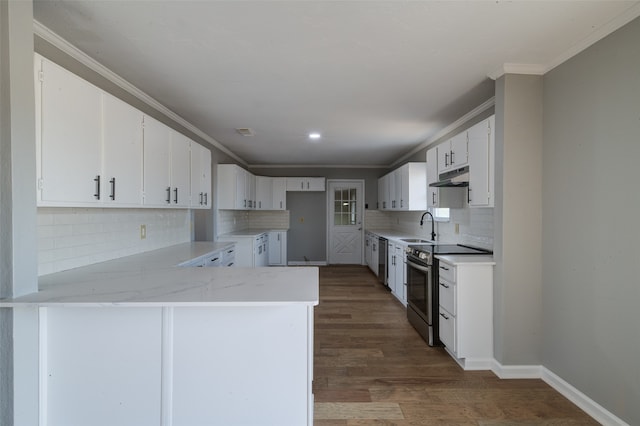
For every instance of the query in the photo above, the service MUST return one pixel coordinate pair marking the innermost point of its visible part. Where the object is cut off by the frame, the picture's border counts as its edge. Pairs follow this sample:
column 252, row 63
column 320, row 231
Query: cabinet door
column 157, row 163
column 264, row 193
column 200, row 176
column 180, row 170
column 278, row 248
column 459, row 150
column 295, row 184
column 70, row 138
column 399, row 275
column 279, row 186
column 122, row 152
column 250, row 189
column 432, row 176
column 480, row 165
column 231, row 187
column 383, row 193
column 444, row 156
column 316, row 184
column 414, row 188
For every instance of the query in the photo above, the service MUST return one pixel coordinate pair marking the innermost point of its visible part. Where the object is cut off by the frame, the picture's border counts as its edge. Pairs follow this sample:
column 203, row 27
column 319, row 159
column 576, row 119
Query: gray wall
column 518, row 220
column 591, row 206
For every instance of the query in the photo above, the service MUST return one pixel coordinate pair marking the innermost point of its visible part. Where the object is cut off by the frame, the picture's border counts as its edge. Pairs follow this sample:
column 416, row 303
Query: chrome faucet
column 433, row 233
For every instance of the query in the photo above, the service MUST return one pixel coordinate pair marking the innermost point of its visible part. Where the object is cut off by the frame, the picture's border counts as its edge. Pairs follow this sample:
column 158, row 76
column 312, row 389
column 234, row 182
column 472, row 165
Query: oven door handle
column 418, row 267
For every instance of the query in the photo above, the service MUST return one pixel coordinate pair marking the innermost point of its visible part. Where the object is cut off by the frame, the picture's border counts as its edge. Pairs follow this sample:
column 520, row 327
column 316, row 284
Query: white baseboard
column 516, row 371
column 592, row 408
column 307, row 263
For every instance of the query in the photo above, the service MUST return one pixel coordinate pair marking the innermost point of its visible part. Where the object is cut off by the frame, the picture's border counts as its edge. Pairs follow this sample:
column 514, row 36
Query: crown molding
column 46, row 34
column 450, row 128
column 598, row 34
column 530, row 69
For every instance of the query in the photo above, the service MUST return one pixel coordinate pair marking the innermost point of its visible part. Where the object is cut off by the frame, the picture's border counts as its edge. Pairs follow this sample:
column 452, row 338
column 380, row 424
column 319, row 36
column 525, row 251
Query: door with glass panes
column 345, row 222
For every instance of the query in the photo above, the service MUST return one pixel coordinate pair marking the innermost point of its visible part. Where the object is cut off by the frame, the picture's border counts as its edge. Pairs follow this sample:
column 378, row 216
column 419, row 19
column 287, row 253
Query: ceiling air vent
column 245, row 131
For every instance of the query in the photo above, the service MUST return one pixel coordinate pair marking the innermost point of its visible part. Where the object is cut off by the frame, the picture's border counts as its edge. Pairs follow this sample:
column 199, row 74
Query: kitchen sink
column 414, row 240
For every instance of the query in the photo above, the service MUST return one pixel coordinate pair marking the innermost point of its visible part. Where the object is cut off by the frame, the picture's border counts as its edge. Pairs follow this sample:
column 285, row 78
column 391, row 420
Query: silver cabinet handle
column 168, row 195
column 175, row 195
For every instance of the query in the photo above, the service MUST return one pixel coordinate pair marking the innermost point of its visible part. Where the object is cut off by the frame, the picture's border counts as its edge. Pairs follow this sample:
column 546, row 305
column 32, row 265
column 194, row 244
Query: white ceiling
column 375, row 78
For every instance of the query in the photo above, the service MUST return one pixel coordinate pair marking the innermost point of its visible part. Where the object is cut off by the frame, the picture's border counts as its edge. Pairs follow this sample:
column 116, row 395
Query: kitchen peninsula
column 142, row 341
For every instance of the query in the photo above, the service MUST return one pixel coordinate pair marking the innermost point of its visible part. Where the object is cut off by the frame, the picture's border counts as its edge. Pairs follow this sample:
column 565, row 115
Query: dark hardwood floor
column 372, row 368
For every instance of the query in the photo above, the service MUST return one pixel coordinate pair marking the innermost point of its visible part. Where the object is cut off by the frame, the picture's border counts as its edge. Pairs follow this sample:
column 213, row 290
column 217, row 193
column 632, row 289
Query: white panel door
column 71, row 121
column 345, row 221
column 122, row 152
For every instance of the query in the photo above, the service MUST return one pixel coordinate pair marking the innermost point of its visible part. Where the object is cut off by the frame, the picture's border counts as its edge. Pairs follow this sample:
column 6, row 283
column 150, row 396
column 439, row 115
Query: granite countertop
column 154, row 279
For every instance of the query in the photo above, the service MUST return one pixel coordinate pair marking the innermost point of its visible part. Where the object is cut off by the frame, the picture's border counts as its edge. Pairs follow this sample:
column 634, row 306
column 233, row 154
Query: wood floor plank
column 372, row 368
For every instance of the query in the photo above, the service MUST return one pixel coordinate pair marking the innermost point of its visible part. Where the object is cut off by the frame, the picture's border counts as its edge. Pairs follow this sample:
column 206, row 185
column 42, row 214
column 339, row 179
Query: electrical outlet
column 457, row 228
column 143, row 232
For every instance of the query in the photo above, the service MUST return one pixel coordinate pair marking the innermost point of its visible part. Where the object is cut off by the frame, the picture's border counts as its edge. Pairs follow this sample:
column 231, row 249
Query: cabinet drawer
column 447, row 295
column 447, row 271
column 447, row 329
column 213, row 260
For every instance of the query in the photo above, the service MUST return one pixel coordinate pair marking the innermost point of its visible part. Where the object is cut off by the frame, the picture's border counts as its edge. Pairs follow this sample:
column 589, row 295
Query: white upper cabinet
column 410, row 184
column 68, row 136
column 279, row 187
column 234, row 185
column 200, row 177
column 180, row 170
column 432, row 176
column 271, row 193
column 264, row 193
column 167, row 172
column 93, row 150
column 305, row 184
column 404, row 188
column 157, row 163
column 453, row 154
column 481, row 164
column 122, row 153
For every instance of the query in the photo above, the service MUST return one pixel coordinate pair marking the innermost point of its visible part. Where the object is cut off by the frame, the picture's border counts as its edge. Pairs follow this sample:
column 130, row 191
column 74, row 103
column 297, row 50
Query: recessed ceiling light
column 314, row 135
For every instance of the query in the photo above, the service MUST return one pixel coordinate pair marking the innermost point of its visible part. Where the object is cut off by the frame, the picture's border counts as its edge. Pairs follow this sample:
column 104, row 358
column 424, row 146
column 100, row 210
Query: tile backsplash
column 475, row 226
column 238, row 220
column 73, row 237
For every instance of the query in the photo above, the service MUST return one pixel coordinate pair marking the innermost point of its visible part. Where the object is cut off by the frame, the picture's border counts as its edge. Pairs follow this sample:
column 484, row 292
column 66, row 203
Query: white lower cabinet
column 278, row 248
column 162, row 365
column 250, row 250
column 396, row 274
column 466, row 312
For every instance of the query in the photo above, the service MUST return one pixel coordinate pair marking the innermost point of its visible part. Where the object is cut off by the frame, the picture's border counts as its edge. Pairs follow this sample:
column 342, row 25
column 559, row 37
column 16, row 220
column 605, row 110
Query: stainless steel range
column 422, row 285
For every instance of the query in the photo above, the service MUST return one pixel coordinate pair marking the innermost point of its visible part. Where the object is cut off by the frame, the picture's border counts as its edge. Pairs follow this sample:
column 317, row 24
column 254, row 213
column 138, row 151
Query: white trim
column 616, row 23
column 43, row 366
column 450, row 128
column 592, row 408
column 77, row 54
column 307, row 263
column 510, row 68
column 588, row 405
column 516, row 371
column 540, row 69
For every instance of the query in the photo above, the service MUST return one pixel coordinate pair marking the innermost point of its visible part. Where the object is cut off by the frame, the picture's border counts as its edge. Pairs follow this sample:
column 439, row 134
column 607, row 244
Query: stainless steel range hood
column 453, row 178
